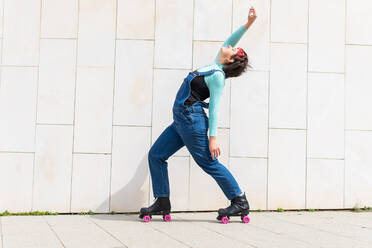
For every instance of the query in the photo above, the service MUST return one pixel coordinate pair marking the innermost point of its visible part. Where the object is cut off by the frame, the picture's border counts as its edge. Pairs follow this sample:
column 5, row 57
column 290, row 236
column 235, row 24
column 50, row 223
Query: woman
column 190, row 128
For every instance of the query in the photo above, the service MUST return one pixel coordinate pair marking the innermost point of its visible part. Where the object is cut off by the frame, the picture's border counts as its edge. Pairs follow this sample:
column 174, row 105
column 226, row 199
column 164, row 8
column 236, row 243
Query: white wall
column 82, row 101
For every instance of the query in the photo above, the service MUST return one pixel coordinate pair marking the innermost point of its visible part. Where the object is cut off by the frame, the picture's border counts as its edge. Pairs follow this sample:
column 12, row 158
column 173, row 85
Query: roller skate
column 239, row 207
column 161, row 206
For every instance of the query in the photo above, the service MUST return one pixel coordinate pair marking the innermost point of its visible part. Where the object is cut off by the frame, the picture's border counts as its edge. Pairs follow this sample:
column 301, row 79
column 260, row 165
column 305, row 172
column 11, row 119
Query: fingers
column 216, row 153
column 213, row 154
column 252, row 12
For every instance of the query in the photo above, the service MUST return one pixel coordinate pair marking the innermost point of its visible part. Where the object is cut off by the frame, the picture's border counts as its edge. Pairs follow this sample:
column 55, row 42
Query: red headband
column 240, row 52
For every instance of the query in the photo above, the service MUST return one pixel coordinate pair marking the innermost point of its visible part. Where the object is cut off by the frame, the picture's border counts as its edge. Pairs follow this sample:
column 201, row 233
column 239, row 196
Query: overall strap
column 208, row 72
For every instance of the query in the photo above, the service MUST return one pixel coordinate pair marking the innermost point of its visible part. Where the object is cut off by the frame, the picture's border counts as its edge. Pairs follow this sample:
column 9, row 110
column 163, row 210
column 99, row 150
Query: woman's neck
column 220, row 59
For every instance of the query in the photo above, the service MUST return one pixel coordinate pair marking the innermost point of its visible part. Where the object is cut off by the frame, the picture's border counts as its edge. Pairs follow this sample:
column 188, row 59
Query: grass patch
column 6, row 213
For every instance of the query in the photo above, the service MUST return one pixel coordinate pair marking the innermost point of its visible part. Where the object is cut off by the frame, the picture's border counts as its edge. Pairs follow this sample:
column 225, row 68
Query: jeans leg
column 197, row 142
column 166, row 144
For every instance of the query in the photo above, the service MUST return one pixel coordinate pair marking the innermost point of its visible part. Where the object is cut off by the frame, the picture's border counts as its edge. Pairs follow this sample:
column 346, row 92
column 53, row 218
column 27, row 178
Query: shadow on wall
column 133, row 195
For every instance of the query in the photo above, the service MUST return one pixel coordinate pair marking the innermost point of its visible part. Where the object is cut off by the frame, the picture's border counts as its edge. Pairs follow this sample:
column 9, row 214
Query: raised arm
column 219, row 83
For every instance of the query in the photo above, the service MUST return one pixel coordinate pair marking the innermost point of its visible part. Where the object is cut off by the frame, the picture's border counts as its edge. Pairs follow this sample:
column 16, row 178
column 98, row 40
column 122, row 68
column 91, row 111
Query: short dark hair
column 237, row 67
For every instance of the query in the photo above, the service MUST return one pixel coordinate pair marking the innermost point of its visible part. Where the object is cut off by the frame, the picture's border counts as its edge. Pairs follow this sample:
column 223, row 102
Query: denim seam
column 162, row 175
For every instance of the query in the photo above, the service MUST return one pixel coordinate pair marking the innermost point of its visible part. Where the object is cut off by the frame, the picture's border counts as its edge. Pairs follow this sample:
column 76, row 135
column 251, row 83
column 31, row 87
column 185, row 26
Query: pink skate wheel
column 246, row 219
column 167, row 217
column 146, row 218
column 225, row 220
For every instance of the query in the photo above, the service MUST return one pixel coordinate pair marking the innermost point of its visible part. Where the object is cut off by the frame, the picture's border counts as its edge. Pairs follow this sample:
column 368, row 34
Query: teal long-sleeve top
column 216, row 81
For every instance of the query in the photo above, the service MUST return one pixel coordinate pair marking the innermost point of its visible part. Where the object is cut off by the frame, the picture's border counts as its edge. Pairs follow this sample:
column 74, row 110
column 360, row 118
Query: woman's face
column 227, row 52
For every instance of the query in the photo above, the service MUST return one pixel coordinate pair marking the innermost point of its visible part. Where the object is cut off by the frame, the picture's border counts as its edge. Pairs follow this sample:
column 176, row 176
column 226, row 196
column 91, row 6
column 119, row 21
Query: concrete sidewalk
column 266, row 229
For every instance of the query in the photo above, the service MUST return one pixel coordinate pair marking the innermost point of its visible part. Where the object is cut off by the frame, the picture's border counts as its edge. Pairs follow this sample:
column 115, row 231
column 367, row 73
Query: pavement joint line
column 349, row 222
column 279, row 234
column 158, row 230
column 285, row 234
column 51, row 228
column 359, row 217
column 103, row 229
column 321, row 230
column 224, row 235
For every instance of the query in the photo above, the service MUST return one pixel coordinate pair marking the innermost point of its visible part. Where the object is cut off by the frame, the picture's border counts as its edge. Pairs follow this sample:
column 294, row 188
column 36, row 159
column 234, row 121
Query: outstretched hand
column 251, row 15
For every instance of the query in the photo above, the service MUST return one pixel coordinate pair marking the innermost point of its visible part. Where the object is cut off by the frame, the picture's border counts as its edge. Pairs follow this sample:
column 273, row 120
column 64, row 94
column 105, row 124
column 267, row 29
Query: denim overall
column 190, row 128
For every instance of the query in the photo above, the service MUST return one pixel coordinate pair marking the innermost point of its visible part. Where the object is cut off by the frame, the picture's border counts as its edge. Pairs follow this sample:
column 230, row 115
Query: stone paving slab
column 313, row 234
column 200, row 230
column 27, row 231
column 192, row 234
column 349, row 225
column 133, row 232
column 80, row 231
column 249, row 234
